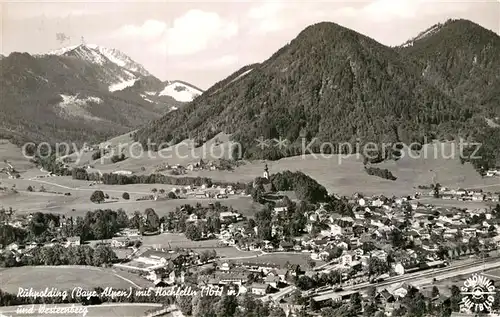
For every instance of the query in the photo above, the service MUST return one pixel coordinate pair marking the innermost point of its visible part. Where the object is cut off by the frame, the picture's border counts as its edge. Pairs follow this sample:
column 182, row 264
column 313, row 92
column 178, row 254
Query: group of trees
column 118, row 158
column 97, row 155
column 305, row 282
column 41, row 228
column 484, row 153
column 51, row 163
column 226, row 306
column 10, row 234
column 96, row 225
column 97, row 197
column 60, row 255
column 306, row 188
column 383, row 173
column 194, row 232
column 290, row 222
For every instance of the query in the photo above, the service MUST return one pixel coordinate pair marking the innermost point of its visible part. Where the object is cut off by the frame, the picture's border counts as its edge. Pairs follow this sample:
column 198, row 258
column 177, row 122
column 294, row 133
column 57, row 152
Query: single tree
column 126, row 196
column 193, row 232
column 152, row 219
column 435, row 292
column 171, row 195
column 97, row 197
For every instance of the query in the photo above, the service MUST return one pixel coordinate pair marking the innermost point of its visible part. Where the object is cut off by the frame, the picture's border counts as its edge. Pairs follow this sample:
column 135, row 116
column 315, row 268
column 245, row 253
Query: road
column 420, row 278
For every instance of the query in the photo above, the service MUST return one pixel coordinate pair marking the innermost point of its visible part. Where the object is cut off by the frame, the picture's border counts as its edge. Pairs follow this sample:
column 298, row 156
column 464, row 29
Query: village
column 377, row 239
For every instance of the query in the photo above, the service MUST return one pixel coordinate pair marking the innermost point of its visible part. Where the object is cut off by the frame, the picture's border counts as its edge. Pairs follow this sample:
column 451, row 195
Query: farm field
column 104, row 310
column 79, row 202
column 66, row 278
column 14, row 155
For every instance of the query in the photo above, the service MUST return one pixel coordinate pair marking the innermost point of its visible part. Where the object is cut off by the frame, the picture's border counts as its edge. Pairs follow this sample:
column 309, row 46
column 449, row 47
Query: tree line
column 118, row 179
column 61, row 255
column 383, row 173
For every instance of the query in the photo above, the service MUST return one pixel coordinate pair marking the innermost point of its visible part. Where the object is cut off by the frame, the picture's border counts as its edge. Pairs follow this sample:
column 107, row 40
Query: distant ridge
column 61, row 95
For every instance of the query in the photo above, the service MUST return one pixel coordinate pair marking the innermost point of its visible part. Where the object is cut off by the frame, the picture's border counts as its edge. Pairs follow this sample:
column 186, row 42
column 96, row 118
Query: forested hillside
column 462, row 59
column 329, row 83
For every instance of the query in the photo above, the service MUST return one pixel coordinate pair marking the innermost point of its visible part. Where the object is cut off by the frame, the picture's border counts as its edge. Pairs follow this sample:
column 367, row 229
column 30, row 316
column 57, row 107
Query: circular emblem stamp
column 478, row 293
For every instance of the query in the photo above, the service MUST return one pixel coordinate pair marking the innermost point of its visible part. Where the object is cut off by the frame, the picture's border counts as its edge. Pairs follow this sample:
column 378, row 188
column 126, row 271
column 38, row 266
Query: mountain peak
column 461, row 58
column 99, row 54
column 453, row 29
column 324, row 31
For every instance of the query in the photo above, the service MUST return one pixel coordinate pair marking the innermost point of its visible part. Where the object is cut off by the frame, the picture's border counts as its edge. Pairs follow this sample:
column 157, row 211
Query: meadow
column 66, row 278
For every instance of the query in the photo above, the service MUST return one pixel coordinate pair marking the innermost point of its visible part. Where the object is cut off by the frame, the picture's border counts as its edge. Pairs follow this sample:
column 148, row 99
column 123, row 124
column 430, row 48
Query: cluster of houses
column 204, row 192
column 18, row 249
column 266, row 278
column 340, row 240
column 167, row 268
column 493, row 172
column 200, row 165
column 466, row 194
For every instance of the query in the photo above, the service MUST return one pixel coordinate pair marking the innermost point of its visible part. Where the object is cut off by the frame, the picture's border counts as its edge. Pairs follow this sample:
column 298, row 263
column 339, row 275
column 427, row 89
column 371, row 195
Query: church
column 266, row 172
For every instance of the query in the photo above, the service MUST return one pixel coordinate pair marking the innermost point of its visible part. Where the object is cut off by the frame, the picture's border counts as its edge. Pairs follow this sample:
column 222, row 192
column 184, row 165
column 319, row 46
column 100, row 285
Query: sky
column 202, row 42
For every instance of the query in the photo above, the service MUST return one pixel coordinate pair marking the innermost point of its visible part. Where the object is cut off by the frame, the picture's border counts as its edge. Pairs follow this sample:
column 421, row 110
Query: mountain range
column 329, row 84
column 81, row 93
column 332, row 84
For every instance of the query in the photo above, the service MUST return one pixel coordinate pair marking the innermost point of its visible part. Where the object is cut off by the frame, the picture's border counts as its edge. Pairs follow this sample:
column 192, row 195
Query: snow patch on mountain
column 78, row 107
column 122, row 84
column 113, row 55
column 29, row 71
column 88, row 54
column 146, row 98
column 180, row 92
column 63, row 50
column 432, row 30
column 240, row 76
